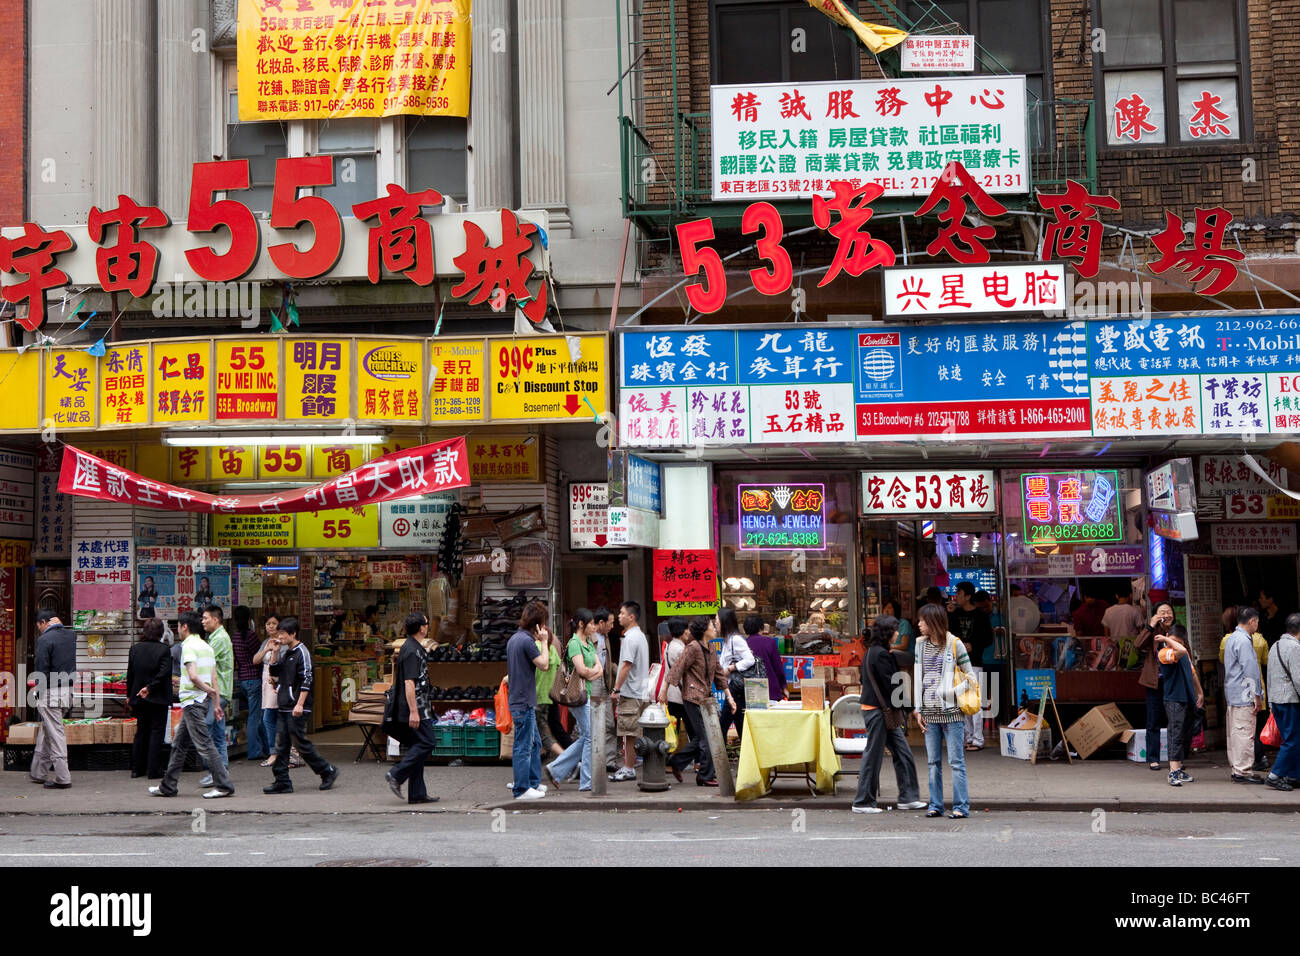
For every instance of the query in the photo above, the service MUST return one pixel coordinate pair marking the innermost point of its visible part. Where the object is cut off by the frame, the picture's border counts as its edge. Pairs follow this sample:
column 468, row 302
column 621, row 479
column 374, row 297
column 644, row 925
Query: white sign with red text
column 1247, row 537
column 938, row 54
column 588, row 514
column 809, row 413
column 974, row 290
column 928, row 492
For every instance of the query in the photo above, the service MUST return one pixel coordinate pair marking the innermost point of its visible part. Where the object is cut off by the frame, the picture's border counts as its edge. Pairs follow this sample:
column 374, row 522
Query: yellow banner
column 233, row 463
column 338, row 529
column 247, row 371
column 70, row 388
column 317, row 373
column 20, row 381
column 182, row 382
column 390, row 377
column 124, row 392
column 535, row 377
column 457, row 391
column 874, row 37
column 503, row 458
column 325, row 59
column 189, row 464
column 283, row 461
column 252, row 531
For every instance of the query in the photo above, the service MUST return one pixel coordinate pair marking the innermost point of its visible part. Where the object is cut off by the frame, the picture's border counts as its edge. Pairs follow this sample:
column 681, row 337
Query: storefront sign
column 1172, row 486
column 426, row 469
column 124, row 393
column 1229, row 475
column 787, row 140
column 317, row 379
column 1273, row 507
column 176, row 579
column 688, row 608
column 180, row 382
column 632, row 527
column 253, row 532
column 782, row 517
column 1031, row 684
column 414, row 524
column 643, row 483
column 494, row 458
column 70, row 389
column 939, row 54
column 103, row 570
column 548, row 378
column 390, row 380
column 17, row 493
column 589, row 515
column 246, row 381
column 456, row 393
column 685, row 575
column 928, row 492
column 973, row 290
column 1252, row 538
column 1110, row 561
column 1175, row 525
column 1204, row 589
column 1071, row 506
column 338, row 528
column 351, row 58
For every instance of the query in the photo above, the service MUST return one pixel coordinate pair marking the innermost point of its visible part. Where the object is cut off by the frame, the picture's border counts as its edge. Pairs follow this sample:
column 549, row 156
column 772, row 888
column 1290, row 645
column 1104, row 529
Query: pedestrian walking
column 631, row 691
column 293, row 672
column 526, row 653
column 939, row 656
column 881, row 703
column 737, row 664
column 582, row 656
column 245, row 644
column 1243, row 690
column 1183, row 697
column 1284, row 693
column 1151, row 679
column 198, row 696
column 149, row 696
column 697, row 672
column 974, row 628
column 604, row 620
column 223, row 651
column 411, row 670
column 673, row 652
column 54, row 672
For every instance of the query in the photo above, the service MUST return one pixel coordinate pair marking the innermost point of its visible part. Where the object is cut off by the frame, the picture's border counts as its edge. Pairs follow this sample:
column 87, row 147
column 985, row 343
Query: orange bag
column 501, row 701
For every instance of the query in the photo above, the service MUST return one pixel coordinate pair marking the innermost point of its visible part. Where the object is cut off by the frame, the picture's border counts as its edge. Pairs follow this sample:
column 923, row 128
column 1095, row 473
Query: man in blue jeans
column 528, row 650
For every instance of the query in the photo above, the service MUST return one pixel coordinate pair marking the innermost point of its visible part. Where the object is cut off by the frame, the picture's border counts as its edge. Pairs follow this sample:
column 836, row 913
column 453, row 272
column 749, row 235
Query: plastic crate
column 482, row 742
column 449, row 741
column 19, row 757
column 108, row 757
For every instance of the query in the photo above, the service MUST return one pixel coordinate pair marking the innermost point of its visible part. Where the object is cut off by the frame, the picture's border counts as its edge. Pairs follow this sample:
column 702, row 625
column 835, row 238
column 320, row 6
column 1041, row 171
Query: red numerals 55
column 289, row 211
column 236, row 218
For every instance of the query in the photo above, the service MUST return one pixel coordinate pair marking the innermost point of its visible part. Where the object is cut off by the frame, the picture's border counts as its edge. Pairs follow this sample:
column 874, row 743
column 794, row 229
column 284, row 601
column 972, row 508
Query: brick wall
column 13, row 112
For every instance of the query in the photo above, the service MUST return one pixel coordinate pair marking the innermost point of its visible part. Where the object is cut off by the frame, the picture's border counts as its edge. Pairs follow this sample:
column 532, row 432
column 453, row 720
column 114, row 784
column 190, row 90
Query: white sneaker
column 540, row 786
column 916, row 805
column 157, row 792
column 531, row 794
column 215, row 794
column 207, row 781
column 857, row 809
column 623, row 773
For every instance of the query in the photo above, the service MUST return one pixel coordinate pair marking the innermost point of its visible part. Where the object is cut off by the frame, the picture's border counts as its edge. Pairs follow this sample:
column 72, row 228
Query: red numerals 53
column 710, row 294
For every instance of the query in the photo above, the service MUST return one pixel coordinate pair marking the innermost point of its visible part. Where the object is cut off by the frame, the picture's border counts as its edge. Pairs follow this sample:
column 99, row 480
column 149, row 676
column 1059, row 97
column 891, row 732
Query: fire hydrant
column 653, row 749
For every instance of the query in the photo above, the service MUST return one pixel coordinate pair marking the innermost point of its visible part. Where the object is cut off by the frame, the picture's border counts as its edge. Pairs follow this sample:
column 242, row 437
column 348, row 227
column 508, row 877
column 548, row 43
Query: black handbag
column 399, row 730
column 736, row 679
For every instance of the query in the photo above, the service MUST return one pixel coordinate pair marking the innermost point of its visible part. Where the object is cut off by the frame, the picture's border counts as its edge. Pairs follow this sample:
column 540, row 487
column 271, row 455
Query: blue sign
column 679, row 358
column 795, row 356
column 643, row 485
column 1030, row 684
column 1194, row 345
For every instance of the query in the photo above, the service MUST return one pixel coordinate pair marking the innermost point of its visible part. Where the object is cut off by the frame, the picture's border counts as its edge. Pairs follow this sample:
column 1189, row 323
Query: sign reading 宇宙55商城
column 325, row 59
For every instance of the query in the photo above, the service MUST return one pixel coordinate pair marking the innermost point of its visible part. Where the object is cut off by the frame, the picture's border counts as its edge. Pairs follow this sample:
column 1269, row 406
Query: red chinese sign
column 427, row 469
column 685, row 575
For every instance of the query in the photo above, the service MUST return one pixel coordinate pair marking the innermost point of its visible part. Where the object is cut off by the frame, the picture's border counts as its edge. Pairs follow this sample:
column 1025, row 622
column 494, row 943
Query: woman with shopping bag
column 944, row 686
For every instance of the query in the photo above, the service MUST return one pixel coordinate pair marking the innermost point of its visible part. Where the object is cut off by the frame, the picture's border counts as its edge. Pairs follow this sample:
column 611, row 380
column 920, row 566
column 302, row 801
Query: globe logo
column 878, row 365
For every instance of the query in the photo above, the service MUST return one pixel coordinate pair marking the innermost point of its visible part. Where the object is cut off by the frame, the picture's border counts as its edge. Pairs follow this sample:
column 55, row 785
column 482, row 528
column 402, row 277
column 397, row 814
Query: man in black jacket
column 411, row 689
column 293, row 670
column 54, row 673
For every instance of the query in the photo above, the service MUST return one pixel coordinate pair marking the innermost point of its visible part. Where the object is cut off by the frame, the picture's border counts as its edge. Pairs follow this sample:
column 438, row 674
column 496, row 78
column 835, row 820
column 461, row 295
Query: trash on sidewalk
column 1097, row 728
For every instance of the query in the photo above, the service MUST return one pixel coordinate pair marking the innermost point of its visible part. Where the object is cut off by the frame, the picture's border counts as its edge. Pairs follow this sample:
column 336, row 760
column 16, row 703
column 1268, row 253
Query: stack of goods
column 482, row 692
column 498, row 620
column 368, row 708
column 451, row 558
column 101, row 683
column 471, row 653
column 475, row 718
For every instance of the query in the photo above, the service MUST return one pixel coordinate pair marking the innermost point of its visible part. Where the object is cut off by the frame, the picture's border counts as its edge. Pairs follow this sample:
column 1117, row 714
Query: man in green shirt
column 224, row 652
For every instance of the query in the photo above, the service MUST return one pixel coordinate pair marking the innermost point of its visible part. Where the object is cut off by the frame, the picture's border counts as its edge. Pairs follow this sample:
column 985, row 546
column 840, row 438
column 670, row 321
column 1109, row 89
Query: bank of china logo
column 878, row 365
column 782, row 495
column 1067, row 353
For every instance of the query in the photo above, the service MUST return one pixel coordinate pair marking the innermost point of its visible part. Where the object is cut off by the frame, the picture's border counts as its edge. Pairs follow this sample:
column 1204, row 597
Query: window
column 356, row 167
column 1171, row 71
column 259, row 143
column 436, row 156
column 779, row 42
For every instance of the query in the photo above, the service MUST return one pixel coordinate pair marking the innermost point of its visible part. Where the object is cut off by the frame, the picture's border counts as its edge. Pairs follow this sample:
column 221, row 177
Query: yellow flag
column 875, row 38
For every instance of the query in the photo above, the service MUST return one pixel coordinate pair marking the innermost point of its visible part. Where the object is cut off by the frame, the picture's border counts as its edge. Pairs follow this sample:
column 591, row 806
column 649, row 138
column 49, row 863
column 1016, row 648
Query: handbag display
column 895, row 719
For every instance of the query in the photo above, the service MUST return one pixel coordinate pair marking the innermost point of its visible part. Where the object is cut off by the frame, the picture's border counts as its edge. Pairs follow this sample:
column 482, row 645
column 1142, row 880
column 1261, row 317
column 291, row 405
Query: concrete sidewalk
column 996, row 783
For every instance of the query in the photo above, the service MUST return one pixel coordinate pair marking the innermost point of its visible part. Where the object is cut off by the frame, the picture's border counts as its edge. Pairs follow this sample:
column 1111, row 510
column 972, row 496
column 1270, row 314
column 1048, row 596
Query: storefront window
column 787, row 546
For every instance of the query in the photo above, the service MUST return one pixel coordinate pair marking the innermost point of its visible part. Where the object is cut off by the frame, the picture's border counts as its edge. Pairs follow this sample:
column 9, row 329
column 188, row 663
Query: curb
column 822, row 803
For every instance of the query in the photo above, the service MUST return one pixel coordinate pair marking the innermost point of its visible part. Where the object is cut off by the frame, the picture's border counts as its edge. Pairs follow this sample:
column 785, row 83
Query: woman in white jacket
column 737, row 664
column 939, row 655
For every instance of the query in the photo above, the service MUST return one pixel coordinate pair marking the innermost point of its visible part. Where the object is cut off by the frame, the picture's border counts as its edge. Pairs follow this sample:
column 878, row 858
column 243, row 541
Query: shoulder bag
column 968, row 701
column 569, row 690
column 736, row 679
column 895, row 719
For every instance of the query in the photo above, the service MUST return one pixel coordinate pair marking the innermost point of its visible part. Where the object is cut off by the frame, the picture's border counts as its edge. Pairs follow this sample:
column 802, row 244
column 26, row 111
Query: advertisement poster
column 589, row 515
column 1071, row 507
column 390, row 380
column 414, row 524
column 547, row 378
column 1204, row 604
column 782, row 517
column 685, row 575
column 175, row 579
column 124, row 390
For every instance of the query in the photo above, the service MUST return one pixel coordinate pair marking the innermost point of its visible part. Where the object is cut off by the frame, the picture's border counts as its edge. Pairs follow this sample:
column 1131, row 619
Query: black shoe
column 1279, row 783
column 278, row 788
column 676, row 773
column 393, row 785
column 58, row 786
column 1243, row 778
column 328, row 777
column 933, row 813
column 423, row 800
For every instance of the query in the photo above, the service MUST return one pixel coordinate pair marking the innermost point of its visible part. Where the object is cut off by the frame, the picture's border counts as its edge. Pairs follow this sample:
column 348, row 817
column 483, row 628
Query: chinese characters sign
column 503, row 458
column 317, row 373
column 685, row 575
column 782, row 517
column 1071, row 506
column 973, row 290
column 102, row 573
column 547, row 378
column 938, row 54
column 326, row 59
column 414, row 524
column 246, row 376
column 588, row 515
column 258, row 531
column 1243, row 537
column 173, row 579
column 1229, row 475
column 928, row 492
column 457, row 390
column 782, row 140
column 17, row 493
column 390, row 380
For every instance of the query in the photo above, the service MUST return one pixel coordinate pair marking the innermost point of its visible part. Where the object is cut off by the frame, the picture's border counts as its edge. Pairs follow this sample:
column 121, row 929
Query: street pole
column 598, row 779
column 718, row 748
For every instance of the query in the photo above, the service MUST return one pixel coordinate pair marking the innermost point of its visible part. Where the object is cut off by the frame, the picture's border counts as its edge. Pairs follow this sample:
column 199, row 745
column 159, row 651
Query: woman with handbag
column 885, row 724
column 696, row 672
column 577, row 681
column 738, row 663
column 1152, row 683
column 942, row 674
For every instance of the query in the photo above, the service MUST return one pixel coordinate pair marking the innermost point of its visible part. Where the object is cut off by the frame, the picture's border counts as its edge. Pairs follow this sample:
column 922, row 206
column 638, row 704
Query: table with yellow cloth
column 785, row 740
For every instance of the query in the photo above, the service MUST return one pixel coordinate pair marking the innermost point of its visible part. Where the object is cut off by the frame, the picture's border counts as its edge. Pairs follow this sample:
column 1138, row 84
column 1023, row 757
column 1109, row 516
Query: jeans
column 526, row 758
column 1287, row 718
column 578, row 753
column 411, row 766
column 292, row 732
column 192, row 734
column 952, row 736
column 217, row 731
column 270, row 726
column 258, row 746
column 150, row 726
column 697, row 749
column 869, row 773
column 1155, row 718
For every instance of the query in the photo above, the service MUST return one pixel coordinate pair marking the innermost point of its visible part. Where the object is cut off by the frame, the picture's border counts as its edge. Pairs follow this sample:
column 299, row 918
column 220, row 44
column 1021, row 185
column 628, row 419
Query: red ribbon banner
column 401, row 474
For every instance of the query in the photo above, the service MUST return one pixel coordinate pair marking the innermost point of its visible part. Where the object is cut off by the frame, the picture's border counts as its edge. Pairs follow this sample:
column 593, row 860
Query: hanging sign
column 928, row 492
column 495, row 457
column 1071, row 506
column 685, row 575
column 542, row 377
column 782, row 517
column 102, row 573
column 1254, row 506
column 1242, row 538
column 939, row 54
column 414, row 524
column 253, row 532
column 1172, row 486
column 589, row 515
column 340, row 528
column 972, row 290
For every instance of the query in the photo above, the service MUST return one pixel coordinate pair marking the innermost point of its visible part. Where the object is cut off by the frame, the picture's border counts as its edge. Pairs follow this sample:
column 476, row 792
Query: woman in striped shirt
column 939, row 655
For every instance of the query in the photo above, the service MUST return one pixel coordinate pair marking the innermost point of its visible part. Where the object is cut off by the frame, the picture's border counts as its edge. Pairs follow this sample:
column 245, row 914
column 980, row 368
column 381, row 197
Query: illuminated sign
column 1071, row 506
column 782, row 517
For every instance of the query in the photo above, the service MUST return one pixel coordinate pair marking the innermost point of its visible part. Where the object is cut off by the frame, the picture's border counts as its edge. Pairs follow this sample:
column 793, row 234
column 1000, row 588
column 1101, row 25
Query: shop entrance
column 1244, row 577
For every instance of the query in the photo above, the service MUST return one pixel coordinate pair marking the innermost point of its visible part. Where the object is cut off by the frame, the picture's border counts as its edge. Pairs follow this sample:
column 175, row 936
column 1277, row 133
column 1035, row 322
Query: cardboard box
column 128, row 730
column 1019, row 744
column 1137, row 746
column 834, row 692
column 24, row 734
column 848, row 675
column 107, row 732
column 812, row 694
column 79, row 734
column 824, row 674
column 1096, row 729
column 853, row 689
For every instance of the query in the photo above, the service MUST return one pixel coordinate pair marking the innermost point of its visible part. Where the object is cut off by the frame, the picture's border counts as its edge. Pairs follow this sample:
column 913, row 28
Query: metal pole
column 718, row 748
column 598, row 711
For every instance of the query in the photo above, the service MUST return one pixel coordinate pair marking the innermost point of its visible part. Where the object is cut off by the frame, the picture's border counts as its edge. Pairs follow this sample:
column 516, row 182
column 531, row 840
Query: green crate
column 482, row 742
column 449, row 741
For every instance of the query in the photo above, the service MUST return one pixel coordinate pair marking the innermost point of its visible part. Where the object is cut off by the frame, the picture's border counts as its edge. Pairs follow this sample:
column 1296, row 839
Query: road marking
column 1214, row 838
column 1271, row 859
column 880, row 837
column 215, row 853
column 257, row 853
column 743, row 839
column 72, row 854
column 303, row 838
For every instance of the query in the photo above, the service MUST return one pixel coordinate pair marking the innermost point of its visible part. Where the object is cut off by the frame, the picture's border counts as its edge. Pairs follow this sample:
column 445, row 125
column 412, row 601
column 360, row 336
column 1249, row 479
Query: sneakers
column 278, row 788
column 531, row 794
column 217, row 794
column 393, row 785
column 1185, row 777
column 857, row 809
column 160, row 792
column 914, row 805
column 1279, row 783
column 622, row 774
column 328, row 777
column 206, row 781
column 1246, row 778
column 540, row 786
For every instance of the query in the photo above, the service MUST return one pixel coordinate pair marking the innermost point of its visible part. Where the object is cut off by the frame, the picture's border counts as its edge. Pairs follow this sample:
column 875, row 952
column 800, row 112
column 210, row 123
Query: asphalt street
column 751, row 838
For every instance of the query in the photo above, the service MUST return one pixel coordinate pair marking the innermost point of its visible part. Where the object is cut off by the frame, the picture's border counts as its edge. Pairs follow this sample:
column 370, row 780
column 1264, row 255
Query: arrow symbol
column 572, row 403
column 600, row 540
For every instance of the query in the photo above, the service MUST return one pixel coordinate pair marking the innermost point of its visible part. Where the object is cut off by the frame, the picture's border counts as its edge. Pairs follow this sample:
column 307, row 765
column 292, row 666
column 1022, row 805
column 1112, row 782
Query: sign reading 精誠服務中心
column 787, row 140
